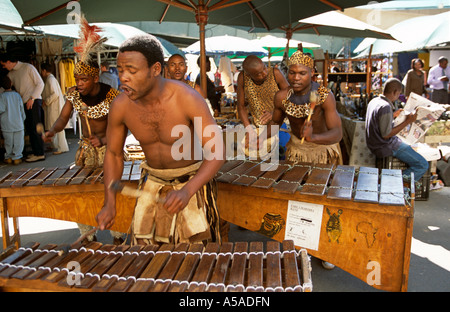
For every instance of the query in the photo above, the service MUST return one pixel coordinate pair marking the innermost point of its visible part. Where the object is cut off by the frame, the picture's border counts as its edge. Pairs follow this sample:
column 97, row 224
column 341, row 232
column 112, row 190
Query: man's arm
column 60, row 123
column 333, row 123
column 242, row 110
column 409, row 119
column 280, row 79
column 113, row 162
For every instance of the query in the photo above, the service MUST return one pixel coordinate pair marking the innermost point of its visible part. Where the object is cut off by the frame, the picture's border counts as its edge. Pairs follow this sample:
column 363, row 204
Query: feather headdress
column 90, row 41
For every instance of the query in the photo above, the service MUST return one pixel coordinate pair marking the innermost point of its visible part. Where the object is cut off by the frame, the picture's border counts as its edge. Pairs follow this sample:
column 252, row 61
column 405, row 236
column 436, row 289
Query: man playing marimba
column 315, row 140
column 315, row 128
column 91, row 99
column 179, row 201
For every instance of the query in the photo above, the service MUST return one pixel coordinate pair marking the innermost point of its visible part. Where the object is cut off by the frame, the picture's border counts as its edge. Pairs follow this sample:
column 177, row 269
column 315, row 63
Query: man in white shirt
column 29, row 84
column 438, row 79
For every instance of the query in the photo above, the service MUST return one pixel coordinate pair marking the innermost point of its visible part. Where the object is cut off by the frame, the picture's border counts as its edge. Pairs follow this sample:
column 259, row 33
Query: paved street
column 430, row 258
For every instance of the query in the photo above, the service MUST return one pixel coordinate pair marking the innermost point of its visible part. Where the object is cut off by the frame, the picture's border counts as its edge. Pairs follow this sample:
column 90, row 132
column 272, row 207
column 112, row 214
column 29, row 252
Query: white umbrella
column 414, row 34
column 228, row 45
column 270, row 41
column 116, row 33
column 10, row 17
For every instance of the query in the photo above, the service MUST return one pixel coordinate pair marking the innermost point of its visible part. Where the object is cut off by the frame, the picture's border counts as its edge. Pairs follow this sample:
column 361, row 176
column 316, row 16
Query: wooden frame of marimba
column 364, row 230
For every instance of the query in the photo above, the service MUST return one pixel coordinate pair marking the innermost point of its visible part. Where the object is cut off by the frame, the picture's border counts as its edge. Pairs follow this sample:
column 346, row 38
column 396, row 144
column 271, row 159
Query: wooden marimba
column 184, row 267
column 69, row 193
column 359, row 220
column 366, row 218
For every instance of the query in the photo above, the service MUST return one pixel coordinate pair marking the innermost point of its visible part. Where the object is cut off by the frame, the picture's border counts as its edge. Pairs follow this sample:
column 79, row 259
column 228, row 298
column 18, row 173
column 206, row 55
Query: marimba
column 70, row 193
column 359, row 220
column 365, row 226
column 230, row 267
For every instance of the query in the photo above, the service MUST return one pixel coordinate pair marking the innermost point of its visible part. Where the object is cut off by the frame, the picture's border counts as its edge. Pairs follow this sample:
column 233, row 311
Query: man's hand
column 95, row 141
column 30, row 104
column 265, row 118
column 176, row 200
column 307, row 131
column 48, row 136
column 105, row 218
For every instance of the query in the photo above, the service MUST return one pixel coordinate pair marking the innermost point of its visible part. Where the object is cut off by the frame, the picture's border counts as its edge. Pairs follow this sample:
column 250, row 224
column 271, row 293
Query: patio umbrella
column 276, row 46
column 229, row 46
column 414, row 34
column 10, row 17
column 115, row 33
column 267, row 14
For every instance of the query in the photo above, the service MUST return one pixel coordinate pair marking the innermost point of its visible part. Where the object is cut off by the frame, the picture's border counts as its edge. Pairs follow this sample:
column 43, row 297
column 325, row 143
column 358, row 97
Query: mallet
column 312, row 101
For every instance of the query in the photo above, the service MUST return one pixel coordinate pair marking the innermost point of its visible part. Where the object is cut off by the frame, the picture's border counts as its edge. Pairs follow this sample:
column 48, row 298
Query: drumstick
column 84, row 109
column 65, row 249
column 312, row 101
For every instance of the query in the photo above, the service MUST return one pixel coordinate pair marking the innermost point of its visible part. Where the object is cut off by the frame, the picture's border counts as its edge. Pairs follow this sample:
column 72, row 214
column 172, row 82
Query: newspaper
column 427, row 114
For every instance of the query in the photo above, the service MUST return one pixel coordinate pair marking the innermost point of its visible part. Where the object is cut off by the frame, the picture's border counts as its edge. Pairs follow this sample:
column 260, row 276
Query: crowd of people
column 151, row 103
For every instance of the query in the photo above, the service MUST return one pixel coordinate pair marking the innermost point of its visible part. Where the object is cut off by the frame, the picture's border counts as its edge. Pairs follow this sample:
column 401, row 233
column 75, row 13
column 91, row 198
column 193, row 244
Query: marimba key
column 102, row 266
column 140, row 263
column 342, row 184
column 235, row 173
column 81, row 176
column 41, row 177
column 273, row 260
column 18, row 255
column 270, row 177
column 25, row 261
column 391, row 187
column 367, row 185
column 317, row 181
column 228, row 166
column 118, row 269
column 152, row 270
column 67, row 176
column 205, row 267
column 77, row 256
column 170, row 269
column 255, row 280
column 32, row 173
column 292, row 179
column 219, row 273
column 291, row 276
column 55, row 175
column 13, row 176
column 187, row 269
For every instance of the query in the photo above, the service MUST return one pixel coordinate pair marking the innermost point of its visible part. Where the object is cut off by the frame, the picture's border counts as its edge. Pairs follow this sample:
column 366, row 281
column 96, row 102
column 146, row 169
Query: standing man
column 29, row 84
column 91, row 99
column 381, row 136
column 53, row 102
column 181, row 190
column 438, row 78
column 176, row 70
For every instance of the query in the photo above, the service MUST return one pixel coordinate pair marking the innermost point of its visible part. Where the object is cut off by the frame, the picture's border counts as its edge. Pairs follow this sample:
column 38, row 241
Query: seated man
column 323, row 132
column 381, row 135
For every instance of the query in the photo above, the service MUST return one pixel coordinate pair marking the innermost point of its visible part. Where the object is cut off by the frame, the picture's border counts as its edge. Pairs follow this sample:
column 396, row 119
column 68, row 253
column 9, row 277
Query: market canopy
column 229, row 46
column 267, row 14
column 414, row 34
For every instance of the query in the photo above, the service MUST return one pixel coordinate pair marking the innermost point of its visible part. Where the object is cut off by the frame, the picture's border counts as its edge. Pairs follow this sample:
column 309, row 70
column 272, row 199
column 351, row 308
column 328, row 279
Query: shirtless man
column 323, row 132
column 151, row 107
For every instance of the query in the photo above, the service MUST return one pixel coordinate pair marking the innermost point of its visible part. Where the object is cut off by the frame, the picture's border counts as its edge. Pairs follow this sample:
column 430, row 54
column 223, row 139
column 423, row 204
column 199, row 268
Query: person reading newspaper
column 381, row 134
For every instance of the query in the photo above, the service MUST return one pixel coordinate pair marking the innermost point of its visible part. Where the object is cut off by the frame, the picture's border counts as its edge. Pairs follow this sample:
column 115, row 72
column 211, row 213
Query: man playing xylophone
column 318, row 123
column 91, row 99
column 322, row 132
column 159, row 112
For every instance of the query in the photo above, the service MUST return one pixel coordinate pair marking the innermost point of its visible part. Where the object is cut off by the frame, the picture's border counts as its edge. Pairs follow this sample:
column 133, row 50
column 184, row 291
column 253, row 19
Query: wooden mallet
column 312, row 101
column 84, row 109
column 66, row 248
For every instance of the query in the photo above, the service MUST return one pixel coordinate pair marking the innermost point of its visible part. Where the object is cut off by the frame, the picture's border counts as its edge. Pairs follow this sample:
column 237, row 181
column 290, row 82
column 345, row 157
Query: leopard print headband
column 82, row 68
